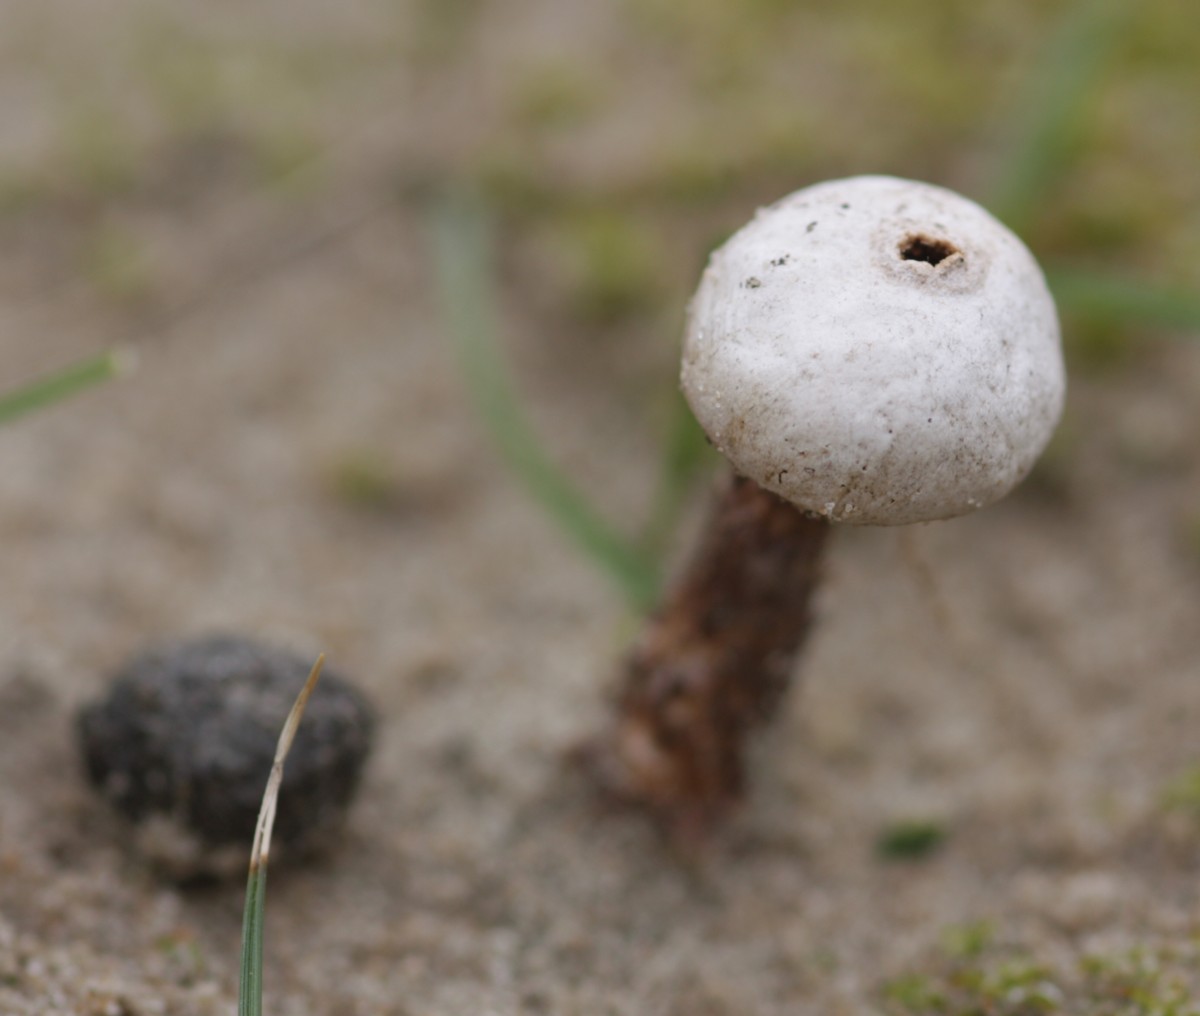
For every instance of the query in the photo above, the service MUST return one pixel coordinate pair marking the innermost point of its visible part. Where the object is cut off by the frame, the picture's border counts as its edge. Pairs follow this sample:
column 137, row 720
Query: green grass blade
column 250, row 988
column 1123, row 301
column 687, row 455
column 1052, row 106
column 61, row 383
column 467, row 304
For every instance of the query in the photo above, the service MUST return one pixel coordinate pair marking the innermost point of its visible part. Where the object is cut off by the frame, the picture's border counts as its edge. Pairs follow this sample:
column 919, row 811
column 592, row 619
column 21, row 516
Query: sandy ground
column 1027, row 678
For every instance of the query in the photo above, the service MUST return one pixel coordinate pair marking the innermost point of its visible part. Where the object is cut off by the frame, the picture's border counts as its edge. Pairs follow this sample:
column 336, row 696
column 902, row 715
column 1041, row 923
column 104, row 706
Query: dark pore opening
column 918, row 247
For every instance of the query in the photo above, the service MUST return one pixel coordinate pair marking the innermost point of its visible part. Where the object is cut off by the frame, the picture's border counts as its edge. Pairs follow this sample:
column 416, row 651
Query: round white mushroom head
column 876, row 351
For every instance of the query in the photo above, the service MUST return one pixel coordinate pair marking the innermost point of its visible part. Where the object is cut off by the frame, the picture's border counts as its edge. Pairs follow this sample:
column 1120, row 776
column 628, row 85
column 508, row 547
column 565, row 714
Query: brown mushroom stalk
column 715, row 661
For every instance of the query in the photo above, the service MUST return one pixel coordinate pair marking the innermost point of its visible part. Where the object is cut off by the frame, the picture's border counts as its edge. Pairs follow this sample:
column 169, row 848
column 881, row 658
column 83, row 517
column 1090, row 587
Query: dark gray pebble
column 188, row 731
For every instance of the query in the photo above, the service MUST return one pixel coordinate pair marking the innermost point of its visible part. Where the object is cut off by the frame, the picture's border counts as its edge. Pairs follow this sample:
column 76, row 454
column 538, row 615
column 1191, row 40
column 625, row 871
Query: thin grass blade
column 460, row 237
column 1052, row 106
column 688, row 453
column 250, row 991
column 62, row 383
column 1125, row 301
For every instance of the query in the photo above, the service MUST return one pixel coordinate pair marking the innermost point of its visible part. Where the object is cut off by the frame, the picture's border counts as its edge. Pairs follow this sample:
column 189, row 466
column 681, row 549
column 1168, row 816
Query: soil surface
column 241, row 193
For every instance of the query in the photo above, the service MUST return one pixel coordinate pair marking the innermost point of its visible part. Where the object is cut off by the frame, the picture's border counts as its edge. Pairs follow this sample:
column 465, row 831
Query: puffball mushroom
column 868, row 351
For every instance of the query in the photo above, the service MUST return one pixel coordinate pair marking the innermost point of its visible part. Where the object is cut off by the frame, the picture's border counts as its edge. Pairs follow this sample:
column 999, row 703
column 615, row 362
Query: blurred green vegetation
column 116, row 264
column 1061, row 174
column 613, row 148
column 910, row 839
column 976, row 973
column 1182, row 794
column 57, row 385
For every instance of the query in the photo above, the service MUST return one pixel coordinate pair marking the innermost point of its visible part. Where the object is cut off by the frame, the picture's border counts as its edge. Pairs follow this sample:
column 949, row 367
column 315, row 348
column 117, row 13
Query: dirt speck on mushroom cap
column 896, row 360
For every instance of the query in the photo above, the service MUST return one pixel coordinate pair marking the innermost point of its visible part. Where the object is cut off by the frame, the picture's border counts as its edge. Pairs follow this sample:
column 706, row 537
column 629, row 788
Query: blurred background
column 159, row 163
column 617, row 141
column 394, row 270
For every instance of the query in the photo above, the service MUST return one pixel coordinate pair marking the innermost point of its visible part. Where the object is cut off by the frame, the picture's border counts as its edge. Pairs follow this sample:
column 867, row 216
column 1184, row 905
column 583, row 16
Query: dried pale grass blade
column 250, row 993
